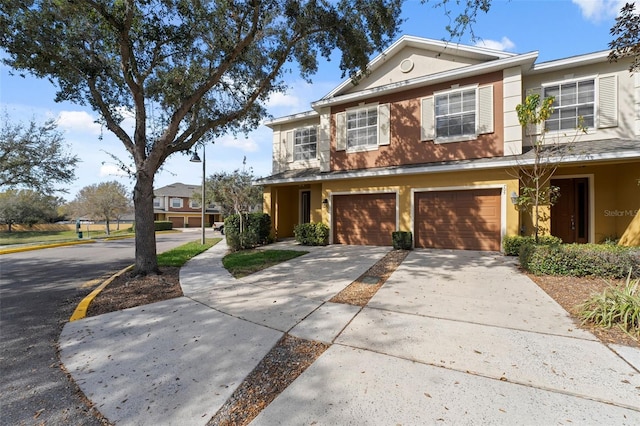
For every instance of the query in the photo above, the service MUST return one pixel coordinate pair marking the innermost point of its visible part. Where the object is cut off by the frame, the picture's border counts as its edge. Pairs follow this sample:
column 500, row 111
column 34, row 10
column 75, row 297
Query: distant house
column 175, row 203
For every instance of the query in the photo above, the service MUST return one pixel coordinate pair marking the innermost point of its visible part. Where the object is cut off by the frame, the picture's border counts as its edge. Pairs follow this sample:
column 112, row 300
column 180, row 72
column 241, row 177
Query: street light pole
column 204, row 204
column 196, row 159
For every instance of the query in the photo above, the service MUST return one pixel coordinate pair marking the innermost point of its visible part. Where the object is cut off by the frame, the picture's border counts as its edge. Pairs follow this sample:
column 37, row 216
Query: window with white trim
column 305, row 143
column 157, row 203
column 362, row 127
column 573, row 105
column 176, row 203
column 194, row 204
column 455, row 113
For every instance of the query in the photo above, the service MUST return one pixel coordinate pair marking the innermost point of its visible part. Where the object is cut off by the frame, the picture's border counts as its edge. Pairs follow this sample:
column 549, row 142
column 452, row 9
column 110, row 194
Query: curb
column 43, row 246
column 83, row 306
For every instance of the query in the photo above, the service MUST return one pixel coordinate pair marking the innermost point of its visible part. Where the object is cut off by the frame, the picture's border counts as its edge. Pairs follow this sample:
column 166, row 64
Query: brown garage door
column 178, row 222
column 364, row 219
column 194, row 222
column 468, row 220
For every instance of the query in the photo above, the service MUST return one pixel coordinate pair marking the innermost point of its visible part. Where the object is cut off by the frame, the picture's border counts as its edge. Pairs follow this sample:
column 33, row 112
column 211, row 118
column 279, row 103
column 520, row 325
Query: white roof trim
column 461, row 50
column 292, row 118
column 525, row 59
column 573, row 61
column 610, row 156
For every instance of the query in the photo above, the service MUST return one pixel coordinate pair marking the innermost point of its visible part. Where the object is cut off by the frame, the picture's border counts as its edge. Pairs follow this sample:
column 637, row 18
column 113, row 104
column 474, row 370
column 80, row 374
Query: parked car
column 218, row 226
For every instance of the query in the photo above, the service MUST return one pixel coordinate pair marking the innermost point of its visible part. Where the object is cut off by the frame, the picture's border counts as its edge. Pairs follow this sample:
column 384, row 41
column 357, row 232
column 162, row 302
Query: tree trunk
column 146, row 257
column 107, row 230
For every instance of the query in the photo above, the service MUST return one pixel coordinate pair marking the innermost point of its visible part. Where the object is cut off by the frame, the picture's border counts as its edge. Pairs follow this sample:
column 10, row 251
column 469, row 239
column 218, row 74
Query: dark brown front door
column 570, row 213
column 305, row 207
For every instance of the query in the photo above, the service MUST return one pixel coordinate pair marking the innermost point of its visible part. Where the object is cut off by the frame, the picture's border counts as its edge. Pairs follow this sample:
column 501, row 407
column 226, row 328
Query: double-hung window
column 455, row 113
column 362, row 128
column 176, row 203
column 573, row 105
column 305, row 143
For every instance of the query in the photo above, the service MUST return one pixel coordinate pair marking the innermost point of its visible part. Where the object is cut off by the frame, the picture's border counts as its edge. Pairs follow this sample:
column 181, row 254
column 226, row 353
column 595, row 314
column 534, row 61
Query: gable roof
column 177, row 190
column 482, row 54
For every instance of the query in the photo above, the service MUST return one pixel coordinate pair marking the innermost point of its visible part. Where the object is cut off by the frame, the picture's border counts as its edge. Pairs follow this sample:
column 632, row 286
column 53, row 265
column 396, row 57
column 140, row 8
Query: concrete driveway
column 452, row 337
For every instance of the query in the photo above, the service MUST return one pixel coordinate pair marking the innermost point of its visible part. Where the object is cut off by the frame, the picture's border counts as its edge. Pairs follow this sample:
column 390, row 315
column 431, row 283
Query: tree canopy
column 188, row 71
column 34, row 156
column 626, row 31
column 27, row 207
column 106, row 201
column 233, row 192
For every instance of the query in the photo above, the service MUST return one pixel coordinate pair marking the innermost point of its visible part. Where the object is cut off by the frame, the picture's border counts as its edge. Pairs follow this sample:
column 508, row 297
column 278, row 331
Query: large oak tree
column 187, row 70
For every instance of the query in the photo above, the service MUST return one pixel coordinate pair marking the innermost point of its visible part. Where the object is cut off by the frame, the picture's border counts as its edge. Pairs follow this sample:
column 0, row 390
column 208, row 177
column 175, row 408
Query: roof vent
column 406, row 65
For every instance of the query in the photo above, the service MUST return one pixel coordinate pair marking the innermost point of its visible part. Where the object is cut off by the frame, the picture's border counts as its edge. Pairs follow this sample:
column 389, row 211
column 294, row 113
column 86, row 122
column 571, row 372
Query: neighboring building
column 175, row 203
column 428, row 142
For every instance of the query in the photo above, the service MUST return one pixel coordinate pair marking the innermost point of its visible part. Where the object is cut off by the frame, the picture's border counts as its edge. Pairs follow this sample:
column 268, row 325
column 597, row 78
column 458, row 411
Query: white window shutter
column 607, row 101
column 289, row 146
column 427, row 125
column 384, row 127
column 341, row 131
column 485, row 110
column 535, row 129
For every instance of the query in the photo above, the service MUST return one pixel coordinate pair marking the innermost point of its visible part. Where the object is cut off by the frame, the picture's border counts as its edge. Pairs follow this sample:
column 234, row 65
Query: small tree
column 103, row 201
column 27, row 207
column 536, row 191
column 34, row 156
column 233, row 192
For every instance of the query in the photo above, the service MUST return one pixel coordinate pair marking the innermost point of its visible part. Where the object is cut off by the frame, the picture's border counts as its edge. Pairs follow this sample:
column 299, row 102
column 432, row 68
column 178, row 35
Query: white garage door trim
column 503, row 203
column 381, row 191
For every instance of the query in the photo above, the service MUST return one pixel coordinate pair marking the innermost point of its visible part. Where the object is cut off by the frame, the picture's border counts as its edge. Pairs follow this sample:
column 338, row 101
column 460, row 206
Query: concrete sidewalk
column 452, row 337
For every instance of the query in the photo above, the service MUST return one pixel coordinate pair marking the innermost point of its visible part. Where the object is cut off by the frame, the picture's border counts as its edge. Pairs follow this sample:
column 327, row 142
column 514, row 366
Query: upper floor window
column 362, row 127
column 455, row 113
column 176, row 203
column 305, row 143
column 573, row 106
column 194, row 204
column 157, row 202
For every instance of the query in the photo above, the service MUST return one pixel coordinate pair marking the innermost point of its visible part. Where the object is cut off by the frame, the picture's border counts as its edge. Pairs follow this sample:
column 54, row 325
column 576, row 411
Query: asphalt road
column 39, row 291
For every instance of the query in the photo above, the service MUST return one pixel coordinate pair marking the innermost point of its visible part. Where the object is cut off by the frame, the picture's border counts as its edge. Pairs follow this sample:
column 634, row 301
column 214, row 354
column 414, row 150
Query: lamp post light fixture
column 196, row 159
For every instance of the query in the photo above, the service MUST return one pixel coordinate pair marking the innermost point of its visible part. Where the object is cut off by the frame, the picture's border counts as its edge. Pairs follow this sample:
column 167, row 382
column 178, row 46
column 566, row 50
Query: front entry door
column 305, row 206
column 570, row 214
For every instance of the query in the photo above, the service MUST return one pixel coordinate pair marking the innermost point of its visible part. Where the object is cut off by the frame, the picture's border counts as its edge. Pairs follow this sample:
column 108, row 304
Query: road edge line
column 43, row 246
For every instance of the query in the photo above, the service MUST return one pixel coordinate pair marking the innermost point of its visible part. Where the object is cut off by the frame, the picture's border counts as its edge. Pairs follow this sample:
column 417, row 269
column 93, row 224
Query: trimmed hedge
column 256, row 230
column 513, row 244
column 312, row 234
column 579, row 260
column 162, row 225
column 402, row 240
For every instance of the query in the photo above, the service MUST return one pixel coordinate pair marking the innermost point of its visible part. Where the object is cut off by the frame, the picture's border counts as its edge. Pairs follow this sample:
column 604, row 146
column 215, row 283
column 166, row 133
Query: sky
column 555, row 28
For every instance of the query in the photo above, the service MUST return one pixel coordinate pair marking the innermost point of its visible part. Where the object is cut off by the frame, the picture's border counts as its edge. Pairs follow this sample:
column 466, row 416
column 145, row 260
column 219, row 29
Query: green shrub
column 512, row 244
column 312, row 234
column 402, row 240
column 580, row 260
column 163, row 225
column 256, row 230
column 615, row 307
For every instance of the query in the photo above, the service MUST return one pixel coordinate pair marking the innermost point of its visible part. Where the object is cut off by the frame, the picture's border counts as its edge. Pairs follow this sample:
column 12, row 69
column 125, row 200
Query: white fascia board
column 511, row 162
column 571, row 62
column 291, row 118
column 462, row 50
column 470, row 71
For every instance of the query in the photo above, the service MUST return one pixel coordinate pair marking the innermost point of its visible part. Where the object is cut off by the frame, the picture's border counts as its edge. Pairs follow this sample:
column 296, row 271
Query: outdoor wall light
column 514, row 198
column 325, row 201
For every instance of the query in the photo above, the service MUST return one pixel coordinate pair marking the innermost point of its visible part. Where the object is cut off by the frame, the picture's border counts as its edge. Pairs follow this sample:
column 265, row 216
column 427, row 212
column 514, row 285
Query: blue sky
column 554, row 28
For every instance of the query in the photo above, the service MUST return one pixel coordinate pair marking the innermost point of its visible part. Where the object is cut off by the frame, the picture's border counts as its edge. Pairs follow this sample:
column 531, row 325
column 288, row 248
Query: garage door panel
column 468, row 219
column 364, row 219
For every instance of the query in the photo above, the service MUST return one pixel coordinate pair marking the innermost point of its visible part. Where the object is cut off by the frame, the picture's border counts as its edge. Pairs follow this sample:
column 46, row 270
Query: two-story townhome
column 429, row 142
column 175, row 203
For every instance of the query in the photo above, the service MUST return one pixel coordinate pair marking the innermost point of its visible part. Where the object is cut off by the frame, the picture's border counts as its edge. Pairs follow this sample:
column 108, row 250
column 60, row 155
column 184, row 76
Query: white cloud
column 504, row 44
column 283, row 100
column 78, row 121
column 111, row 170
column 598, row 10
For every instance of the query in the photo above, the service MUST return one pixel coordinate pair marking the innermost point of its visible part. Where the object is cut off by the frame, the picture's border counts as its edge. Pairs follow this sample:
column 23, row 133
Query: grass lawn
column 246, row 262
column 179, row 255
